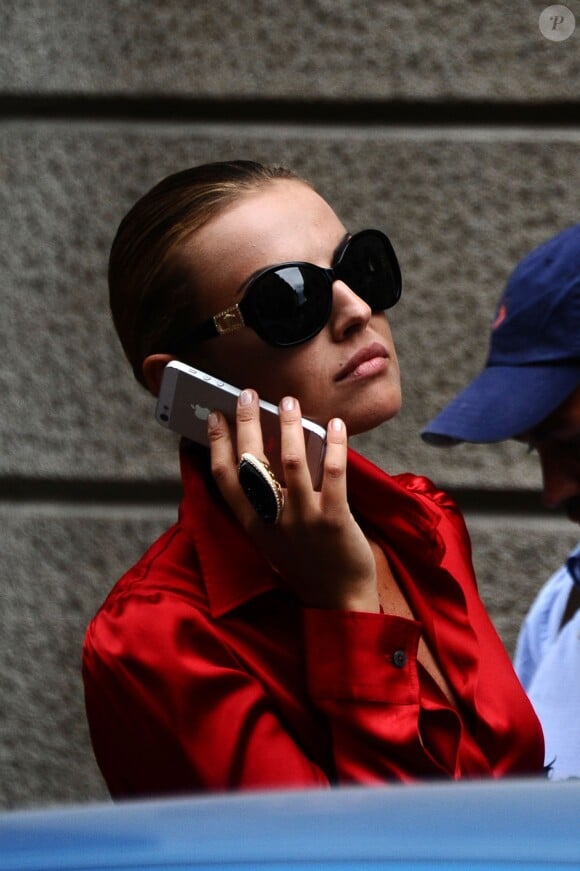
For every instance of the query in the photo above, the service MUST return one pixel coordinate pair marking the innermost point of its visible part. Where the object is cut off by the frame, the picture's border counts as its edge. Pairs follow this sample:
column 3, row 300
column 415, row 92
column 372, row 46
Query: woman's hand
column 316, row 546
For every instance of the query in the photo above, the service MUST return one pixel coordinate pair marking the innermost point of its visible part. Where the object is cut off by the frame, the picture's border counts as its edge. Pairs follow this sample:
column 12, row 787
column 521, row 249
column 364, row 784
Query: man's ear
column 153, row 367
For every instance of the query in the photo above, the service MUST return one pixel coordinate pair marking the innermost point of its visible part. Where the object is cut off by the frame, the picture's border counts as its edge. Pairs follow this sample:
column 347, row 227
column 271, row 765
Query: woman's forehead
column 274, row 219
column 282, row 220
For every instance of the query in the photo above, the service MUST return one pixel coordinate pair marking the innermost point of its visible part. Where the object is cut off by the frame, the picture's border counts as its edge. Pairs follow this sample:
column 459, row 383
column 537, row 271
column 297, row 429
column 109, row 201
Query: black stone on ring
column 261, row 487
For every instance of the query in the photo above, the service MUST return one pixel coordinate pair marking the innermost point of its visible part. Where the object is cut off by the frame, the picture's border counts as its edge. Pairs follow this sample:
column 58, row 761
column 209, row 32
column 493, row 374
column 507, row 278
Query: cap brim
column 502, row 402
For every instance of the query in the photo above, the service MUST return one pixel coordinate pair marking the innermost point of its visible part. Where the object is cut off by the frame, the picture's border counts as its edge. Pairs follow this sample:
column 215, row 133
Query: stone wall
column 453, row 126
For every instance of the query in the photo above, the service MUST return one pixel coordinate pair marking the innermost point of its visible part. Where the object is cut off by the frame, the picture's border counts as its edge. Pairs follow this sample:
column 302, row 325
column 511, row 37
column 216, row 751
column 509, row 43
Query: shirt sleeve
column 541, row 625
column 362, row 672
column 171, row 709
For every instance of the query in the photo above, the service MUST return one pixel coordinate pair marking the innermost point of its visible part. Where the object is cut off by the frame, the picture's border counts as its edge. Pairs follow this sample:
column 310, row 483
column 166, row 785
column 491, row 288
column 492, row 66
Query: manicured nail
column 336, row 424
column 212, row 420
column 246, row 397
column 288, row 403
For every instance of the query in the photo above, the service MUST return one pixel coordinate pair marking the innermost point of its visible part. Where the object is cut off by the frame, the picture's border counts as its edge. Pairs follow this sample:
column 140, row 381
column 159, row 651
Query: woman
column 345, row 642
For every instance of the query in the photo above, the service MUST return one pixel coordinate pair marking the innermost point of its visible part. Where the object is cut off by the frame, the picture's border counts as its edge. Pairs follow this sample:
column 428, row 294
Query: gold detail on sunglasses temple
column 229, row 320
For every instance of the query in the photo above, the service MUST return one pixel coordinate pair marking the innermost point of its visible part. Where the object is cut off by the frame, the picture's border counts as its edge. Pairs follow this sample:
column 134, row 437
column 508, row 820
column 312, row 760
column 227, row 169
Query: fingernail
column 212, row 420
column 288, row 403
column 246, row 397
column 336, row 424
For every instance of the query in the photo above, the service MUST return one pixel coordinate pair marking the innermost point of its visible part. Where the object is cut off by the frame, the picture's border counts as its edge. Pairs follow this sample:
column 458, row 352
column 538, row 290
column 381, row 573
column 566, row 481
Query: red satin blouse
column 201, row 673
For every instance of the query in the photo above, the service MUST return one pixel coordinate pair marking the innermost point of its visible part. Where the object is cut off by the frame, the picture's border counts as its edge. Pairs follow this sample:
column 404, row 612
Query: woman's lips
column 367, row 361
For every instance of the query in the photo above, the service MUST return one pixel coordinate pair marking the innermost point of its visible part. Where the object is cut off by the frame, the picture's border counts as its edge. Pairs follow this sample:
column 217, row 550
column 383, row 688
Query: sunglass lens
column 291, row 304
column 370, row 268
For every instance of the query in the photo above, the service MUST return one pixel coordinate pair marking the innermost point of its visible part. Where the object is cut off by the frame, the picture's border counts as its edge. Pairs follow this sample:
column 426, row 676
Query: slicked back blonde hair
column 151, row 291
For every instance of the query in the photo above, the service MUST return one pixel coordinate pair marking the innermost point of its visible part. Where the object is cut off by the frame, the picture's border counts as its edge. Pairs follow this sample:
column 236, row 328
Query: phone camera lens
column 164, row 417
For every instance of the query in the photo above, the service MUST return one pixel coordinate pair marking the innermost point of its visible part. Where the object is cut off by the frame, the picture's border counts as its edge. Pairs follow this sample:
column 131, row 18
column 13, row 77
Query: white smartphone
column 187, row 396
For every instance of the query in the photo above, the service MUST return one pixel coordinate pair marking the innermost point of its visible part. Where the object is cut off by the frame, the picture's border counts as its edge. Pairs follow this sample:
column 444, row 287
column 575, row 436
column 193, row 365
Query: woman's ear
column 153, row 367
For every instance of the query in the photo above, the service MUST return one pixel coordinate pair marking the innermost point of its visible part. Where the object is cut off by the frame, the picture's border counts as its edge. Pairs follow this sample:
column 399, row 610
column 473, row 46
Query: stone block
column 514, row 556
column 58, row 564
column 423, row 50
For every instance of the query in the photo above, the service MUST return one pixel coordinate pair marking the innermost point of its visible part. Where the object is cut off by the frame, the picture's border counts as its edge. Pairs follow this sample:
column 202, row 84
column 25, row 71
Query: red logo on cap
column 500, row 317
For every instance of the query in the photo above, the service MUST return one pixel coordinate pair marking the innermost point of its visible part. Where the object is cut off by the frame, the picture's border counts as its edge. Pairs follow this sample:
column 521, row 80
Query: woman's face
column 350, row 369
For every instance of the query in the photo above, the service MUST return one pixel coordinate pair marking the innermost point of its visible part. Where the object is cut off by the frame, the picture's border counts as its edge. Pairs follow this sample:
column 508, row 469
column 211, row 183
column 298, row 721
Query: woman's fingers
column 293, row 450
column 333, row 499
column 297, row 479
column 248, row 430
column 223, row 457
column 301, row 499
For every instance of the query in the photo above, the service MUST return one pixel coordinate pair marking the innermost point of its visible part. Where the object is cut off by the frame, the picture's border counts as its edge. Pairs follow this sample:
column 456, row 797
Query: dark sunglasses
column 290, row 303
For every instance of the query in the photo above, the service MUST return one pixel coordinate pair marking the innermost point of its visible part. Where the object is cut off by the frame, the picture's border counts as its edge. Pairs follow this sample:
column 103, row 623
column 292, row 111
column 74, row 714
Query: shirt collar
column 403, row 506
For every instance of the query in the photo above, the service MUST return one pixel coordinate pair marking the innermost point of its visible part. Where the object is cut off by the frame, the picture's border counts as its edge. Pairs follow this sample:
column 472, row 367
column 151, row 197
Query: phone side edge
column 164, row 404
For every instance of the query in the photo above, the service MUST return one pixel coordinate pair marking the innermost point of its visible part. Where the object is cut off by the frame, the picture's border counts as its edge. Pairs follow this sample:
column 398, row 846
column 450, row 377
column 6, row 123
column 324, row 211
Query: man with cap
column 529, row 390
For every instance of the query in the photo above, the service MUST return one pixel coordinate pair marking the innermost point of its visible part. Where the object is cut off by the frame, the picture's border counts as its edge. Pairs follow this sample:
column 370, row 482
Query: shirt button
column 399, row 658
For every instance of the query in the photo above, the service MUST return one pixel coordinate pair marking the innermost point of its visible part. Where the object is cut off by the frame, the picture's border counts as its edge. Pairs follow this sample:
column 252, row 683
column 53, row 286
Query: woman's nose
column 349, row 310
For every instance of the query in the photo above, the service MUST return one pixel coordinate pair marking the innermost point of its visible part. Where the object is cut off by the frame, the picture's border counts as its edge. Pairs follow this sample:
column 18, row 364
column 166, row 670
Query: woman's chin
column 372, row 417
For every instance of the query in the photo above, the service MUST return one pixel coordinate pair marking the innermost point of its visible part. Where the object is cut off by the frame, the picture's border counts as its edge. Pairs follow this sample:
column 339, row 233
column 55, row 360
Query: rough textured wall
column 453, row 126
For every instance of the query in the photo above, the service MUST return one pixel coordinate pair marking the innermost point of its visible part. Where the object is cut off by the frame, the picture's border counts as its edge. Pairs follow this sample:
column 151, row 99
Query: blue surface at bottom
column 525, row 824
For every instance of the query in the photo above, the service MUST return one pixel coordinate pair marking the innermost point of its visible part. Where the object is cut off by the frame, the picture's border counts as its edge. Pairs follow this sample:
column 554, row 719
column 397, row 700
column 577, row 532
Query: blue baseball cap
column 533, row 363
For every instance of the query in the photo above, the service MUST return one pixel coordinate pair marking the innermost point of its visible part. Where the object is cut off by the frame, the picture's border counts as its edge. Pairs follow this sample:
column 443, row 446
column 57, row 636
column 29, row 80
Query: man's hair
column 150, row 286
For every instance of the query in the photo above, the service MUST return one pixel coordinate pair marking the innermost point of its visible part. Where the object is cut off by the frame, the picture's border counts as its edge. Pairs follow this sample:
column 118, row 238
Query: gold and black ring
column 261, row 487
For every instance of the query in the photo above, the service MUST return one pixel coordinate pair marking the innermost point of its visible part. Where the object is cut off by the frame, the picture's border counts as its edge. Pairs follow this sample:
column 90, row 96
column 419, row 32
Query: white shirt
column 547, row 662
